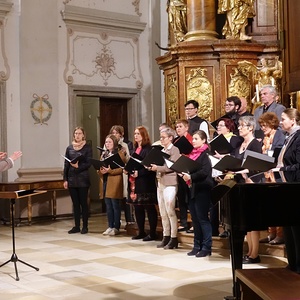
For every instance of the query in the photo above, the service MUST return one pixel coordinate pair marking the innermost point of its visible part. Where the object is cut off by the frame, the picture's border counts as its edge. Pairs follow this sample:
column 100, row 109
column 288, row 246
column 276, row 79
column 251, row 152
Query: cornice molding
column 86, row 17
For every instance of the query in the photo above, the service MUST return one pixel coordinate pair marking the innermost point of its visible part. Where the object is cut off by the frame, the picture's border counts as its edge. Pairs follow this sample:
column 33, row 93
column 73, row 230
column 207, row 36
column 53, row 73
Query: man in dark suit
column 195, row 122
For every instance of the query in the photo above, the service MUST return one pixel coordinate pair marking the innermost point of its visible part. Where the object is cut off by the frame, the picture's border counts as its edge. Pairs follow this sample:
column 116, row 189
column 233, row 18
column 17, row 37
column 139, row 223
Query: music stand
column 13, row 196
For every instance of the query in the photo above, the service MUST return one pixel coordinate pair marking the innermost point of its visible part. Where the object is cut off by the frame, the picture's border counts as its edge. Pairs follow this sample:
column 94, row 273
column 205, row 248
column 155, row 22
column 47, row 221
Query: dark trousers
column 140, row 216
column 182, row 197
column 292, row 245
column 80, row 205
column 199, row 208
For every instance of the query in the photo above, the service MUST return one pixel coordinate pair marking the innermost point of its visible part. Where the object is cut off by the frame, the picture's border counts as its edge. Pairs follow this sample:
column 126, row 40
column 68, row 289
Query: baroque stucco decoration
column 200, row 89
column 41, row 109
column 105, row 52
column 5, row 8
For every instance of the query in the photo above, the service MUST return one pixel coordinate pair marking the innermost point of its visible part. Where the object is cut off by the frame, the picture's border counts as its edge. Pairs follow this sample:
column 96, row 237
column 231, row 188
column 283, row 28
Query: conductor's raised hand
column 16, row 155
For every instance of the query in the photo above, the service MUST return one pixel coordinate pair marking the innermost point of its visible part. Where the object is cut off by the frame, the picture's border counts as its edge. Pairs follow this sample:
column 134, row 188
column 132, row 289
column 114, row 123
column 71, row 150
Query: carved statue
column 177, row 18
column 237, row 14
column 267, row 74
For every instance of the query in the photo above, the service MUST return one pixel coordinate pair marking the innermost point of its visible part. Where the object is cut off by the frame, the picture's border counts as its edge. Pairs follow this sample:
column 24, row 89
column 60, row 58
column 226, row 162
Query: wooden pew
column 268, row 284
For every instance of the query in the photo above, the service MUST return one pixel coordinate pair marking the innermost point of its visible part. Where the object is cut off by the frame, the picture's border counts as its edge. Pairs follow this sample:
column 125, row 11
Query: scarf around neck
column 196, row 152
column 78, row 146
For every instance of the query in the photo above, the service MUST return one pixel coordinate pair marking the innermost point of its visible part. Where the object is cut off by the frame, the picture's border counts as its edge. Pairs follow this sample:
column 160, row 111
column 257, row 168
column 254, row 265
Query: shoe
column 224, row 234
column 114, row 231
column 181, row 229
column 173, row 243
column 277, row 241
column 107, row 231
column 193, row 252
column 149, row 238
column 268, row 239
column 250, row 260
column 139, row 236
column 84, row 230
column 203, row 253
column 164, row 242
column 191, row 230
column 74, row 230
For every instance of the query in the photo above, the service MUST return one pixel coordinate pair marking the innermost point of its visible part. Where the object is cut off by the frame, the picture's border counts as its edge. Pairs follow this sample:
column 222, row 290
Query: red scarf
column 196, row 152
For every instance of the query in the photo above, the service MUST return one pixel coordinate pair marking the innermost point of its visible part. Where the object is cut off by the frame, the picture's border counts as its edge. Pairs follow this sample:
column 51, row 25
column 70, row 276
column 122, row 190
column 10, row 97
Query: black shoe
column 164, row 242
column 74, row 230
column 224, row 234
column 181, row 229
column 203, row 253
column 173, row 243
column 149, row 238
column 84, row 230
column 193, row 252
column 190, row 231
column 250, row 260
column 139, row 236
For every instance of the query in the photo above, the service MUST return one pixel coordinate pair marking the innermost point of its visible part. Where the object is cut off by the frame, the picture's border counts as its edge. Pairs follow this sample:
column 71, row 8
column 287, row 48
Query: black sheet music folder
column 220, row 144
column 183, row 144
column 183, row 165
column 114, row 161
column 156, row 157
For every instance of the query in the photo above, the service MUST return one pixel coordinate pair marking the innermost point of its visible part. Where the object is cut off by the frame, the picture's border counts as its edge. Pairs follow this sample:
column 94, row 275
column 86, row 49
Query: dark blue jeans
column 113, row 210
column 199, row 208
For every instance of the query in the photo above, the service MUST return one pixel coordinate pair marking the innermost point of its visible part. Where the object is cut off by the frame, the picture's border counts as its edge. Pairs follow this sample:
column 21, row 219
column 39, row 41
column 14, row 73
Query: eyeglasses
column 243, row 126
column 226, row 105
column 163, row 137
column 190, row 108
column 220, row 125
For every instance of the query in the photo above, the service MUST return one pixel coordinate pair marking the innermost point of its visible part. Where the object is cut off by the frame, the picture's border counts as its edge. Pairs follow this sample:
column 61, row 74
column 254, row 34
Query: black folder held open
column 220, row 144
column 183, row 165
column 183, row 144
column 133, row 164
column 155, row 157
column 114, row 161
column 253, row 161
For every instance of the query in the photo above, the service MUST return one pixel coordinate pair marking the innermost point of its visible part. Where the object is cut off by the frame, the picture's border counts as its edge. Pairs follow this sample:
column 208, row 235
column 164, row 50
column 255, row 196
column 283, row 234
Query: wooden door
column 113, row 111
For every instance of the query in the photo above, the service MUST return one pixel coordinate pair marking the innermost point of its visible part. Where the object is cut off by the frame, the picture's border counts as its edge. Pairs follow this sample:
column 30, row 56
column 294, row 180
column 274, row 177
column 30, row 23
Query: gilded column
column 201, row 20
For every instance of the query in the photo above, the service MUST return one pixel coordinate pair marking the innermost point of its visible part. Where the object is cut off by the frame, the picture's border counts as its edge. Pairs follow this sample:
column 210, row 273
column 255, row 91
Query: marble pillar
column 201, row 20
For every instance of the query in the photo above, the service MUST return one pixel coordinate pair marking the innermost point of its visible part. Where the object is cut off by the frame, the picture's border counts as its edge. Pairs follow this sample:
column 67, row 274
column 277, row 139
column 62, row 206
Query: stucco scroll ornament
column 136, row 4
column 41, row 109
column 199, row 88
column 172, row 99
column 105, row 62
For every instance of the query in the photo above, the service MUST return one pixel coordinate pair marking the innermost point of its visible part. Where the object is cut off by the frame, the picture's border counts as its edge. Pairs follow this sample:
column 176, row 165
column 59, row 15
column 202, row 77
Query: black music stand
column 13, row 196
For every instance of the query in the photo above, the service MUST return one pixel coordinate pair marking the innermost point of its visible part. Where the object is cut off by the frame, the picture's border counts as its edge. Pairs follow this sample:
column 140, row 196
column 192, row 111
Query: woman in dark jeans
column 142, row 188
column 200, row 184
column 76, row 178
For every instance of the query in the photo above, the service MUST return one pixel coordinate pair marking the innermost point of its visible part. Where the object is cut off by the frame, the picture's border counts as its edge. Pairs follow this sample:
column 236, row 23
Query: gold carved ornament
column 200, row 89
column 172, row 99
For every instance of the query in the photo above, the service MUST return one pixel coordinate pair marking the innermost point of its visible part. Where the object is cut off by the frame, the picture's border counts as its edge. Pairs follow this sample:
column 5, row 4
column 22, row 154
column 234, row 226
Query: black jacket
column 78, row 177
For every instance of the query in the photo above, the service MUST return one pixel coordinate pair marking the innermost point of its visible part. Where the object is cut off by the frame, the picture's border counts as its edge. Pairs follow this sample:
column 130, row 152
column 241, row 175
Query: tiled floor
column 93, row 266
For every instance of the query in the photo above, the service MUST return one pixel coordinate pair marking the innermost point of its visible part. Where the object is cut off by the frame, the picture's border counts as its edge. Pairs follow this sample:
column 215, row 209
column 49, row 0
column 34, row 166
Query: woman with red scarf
column 200, row 184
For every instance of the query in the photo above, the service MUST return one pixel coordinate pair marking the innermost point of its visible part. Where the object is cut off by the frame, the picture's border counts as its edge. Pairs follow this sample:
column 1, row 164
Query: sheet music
column 69, row 160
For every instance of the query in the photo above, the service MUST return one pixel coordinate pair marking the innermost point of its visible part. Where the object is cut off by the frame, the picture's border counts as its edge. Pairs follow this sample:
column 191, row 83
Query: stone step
column 218, row 242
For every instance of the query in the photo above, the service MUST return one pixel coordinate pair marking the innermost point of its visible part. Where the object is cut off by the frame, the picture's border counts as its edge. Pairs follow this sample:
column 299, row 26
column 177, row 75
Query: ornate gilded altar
column 209, row 69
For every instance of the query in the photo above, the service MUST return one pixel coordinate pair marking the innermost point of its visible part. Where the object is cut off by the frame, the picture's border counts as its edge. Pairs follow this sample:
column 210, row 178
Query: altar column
column 201, row 20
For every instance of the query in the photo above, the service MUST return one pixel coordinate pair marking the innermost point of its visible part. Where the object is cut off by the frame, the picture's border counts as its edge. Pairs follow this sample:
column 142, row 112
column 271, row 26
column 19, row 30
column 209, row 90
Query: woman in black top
column 142, row 188
column 76, row 178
